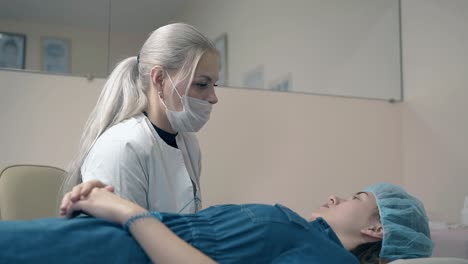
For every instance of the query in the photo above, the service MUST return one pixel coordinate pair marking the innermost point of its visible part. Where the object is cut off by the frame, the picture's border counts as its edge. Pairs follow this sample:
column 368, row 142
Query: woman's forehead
column 208, row 66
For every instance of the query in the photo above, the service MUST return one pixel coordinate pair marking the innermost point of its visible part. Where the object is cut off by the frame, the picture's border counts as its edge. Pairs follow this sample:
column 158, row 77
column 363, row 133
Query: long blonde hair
column 175, row 47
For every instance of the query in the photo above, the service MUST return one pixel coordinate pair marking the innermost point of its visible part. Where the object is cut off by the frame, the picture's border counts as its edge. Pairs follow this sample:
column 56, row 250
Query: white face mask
column 194, row 115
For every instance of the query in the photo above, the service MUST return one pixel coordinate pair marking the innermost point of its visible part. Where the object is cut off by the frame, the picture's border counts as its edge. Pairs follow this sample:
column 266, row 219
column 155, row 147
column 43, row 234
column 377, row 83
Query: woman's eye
column 201, row 85
column 355, row 197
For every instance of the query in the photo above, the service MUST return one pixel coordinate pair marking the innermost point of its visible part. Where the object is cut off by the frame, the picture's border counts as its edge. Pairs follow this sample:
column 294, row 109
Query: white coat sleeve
column 118, row 164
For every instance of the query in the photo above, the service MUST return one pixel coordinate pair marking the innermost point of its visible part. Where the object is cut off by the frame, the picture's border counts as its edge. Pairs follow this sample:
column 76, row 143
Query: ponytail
column 122, row 97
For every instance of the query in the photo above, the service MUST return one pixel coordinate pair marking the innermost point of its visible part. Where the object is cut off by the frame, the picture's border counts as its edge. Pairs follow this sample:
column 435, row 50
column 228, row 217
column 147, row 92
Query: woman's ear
column 373, row 233
column 157, row 78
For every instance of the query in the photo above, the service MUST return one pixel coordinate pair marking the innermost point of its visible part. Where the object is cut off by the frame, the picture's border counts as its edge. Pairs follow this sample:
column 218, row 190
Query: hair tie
column 138, row 58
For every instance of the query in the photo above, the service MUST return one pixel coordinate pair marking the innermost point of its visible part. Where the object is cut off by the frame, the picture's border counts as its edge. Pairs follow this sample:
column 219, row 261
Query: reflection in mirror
column 337, row 47
column 55, row 36
column 131, row 23
column 334, row 47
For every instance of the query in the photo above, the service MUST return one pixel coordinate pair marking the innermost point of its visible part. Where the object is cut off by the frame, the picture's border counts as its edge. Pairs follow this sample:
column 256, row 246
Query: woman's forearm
column 158, row 241
column 162, row 245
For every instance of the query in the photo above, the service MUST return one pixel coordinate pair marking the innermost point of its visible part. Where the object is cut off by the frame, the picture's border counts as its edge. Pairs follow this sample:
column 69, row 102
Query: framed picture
column 221, row 46
column 12, row 50
column 55, row 55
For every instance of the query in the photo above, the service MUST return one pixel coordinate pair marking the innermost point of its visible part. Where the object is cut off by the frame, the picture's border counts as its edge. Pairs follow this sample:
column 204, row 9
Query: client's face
column 351, row 215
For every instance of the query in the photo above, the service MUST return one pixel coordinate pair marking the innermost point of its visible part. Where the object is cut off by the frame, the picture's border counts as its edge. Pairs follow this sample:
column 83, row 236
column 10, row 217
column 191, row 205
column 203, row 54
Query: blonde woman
column 140, row 138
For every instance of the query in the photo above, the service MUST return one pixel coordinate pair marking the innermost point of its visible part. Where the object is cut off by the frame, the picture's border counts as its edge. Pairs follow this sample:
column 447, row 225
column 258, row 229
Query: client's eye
column 356, row 197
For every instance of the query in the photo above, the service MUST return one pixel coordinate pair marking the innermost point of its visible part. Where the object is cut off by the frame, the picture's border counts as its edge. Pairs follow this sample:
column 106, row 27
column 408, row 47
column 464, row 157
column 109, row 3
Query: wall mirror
column 60, row 36
column 329, row 47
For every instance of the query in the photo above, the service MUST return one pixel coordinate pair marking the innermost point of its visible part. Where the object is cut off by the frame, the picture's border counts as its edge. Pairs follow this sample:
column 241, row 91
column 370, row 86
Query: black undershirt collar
column 169, row 138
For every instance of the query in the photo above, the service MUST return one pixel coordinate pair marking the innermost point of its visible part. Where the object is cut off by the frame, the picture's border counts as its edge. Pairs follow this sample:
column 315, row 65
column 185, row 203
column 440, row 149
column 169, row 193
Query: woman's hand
column 97, row 199
column 79, row 191
column 158, row 241
column 104, row 204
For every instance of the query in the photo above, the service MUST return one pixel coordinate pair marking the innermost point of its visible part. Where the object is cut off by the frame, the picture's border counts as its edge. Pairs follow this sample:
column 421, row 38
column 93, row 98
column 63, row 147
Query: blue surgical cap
column 405, row 224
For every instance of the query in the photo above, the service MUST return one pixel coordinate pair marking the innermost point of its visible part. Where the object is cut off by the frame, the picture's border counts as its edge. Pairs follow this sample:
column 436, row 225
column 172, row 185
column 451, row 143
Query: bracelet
column 129, row 222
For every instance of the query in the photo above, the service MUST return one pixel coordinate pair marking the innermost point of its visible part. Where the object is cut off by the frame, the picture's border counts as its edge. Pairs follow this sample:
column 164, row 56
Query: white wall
column 297, row 149
column 42, row 117
column 259, row 146
column 435, row 119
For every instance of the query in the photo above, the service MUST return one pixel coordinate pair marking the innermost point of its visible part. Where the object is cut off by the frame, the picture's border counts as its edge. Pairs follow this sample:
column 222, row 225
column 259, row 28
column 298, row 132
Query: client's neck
column 349, row 242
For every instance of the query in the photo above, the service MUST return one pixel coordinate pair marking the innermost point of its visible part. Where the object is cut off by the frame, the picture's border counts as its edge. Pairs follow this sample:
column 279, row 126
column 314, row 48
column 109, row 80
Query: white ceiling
column 127, row 15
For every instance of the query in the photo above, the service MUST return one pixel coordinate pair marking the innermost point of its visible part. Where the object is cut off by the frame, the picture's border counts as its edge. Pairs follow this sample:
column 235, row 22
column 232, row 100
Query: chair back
column 29, row 191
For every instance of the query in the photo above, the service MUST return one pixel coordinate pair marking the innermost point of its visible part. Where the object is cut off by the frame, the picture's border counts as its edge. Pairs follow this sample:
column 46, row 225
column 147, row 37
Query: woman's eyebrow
column 205, row 76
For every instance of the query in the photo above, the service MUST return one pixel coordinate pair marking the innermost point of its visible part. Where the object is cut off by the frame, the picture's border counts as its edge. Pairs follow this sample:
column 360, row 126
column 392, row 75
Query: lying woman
column 383, row 218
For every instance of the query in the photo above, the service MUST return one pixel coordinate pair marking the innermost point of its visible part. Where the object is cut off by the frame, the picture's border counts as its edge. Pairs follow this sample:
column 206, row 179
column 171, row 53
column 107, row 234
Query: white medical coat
column 145, row 170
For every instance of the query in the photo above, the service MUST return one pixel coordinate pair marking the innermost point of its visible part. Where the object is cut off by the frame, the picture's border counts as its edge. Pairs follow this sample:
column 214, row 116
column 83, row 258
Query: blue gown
column 251, row 233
